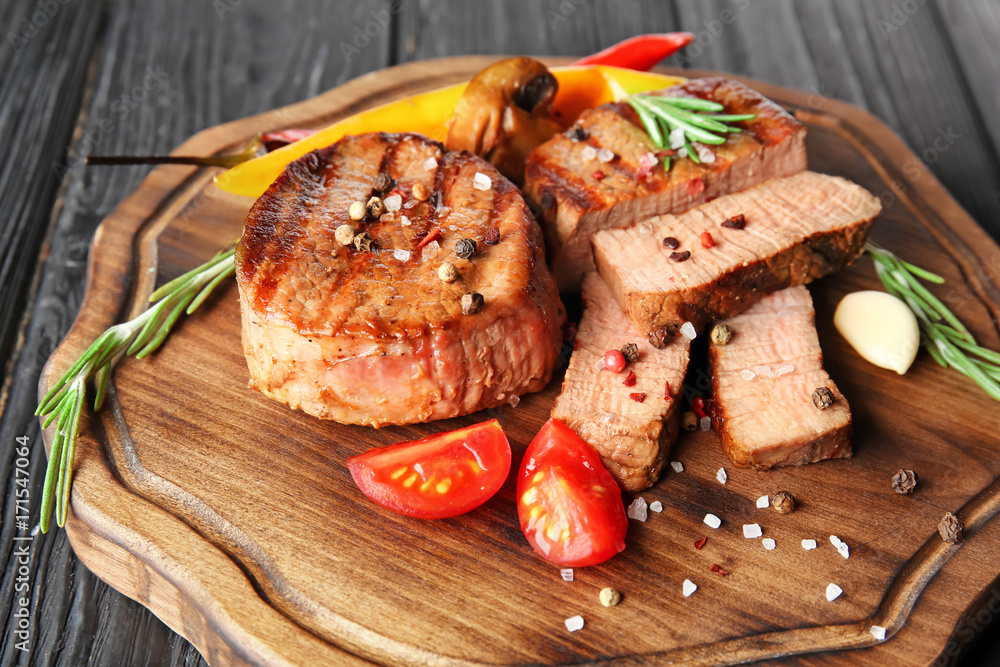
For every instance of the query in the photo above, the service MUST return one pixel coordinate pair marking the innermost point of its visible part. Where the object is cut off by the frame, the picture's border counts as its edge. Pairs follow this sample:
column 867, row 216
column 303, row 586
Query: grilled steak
column 631, row 436
column 786, row 231
column 372, row 335
column 764, row 382
column 579, row 194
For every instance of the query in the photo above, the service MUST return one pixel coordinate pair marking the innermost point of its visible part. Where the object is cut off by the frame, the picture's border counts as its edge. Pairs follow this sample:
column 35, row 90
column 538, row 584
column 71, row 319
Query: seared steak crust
column 377, row 337
column 576, row 202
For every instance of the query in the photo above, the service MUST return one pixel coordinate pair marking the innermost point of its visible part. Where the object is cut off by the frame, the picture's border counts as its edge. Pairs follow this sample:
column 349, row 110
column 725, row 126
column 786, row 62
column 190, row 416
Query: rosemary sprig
column 63, row 404
column 944, row 336
column 666, row 119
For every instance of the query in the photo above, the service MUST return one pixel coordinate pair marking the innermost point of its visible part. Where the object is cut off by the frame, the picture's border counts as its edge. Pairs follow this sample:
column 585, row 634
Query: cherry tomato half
column 438, row 476
column 569, row 505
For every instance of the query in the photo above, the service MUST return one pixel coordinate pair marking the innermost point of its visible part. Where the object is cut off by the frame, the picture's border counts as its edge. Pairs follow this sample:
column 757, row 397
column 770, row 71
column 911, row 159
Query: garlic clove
column 880, row 327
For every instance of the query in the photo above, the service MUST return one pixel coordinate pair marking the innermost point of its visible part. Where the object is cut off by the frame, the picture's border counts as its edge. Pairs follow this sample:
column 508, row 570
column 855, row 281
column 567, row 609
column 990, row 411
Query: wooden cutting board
column 234, row 520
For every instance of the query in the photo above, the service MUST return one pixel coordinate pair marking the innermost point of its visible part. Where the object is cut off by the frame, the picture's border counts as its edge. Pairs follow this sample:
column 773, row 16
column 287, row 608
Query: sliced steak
column 763, row 384
column 632, row 436
column 578, row 194
column 786, row 231
column 376, row 336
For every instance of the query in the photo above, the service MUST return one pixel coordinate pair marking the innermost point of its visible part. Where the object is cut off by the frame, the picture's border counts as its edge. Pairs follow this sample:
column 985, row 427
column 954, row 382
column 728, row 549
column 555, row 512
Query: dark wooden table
column 132, row 77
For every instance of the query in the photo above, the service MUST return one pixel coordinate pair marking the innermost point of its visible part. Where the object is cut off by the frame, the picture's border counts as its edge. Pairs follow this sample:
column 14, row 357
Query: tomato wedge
column 438, row 476
column 569, row 505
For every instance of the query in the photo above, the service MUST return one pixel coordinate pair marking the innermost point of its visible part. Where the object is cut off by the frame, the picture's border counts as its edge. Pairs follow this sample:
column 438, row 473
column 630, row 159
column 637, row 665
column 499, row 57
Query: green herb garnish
column 63, row 404
column 944, row 336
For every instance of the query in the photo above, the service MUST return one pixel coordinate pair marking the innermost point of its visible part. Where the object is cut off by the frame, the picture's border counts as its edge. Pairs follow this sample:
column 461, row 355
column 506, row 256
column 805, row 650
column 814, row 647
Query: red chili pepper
column 698, row 407
column 719, row 571
column 699, row 543
column 638, row 397
column 629, row 380
column 598, row 175
column 707, row 241
column 641, row 52
column 274, row 140
column 695, row 187
column 431, row 235
column 667, row 394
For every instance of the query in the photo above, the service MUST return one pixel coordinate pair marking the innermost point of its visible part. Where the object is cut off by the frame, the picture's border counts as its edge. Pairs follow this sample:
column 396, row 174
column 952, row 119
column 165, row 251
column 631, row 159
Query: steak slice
column 377, row 337
column 561, row 175
column 787, row 231
column 763, row 384
column 632, row 437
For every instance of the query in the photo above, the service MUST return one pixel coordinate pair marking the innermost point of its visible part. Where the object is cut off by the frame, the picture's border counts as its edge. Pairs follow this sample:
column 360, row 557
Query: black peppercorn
column 363, row 242
column 631, row 352
column 822, row 398
column 659, row 337
column 383, row 182
column 951, row 529
column 671, row 242
column 577, row 133
column 904, row 481
column 736, row 222
column 472, row 303
column 465, row 248
column 492, row 236
column 680, row 256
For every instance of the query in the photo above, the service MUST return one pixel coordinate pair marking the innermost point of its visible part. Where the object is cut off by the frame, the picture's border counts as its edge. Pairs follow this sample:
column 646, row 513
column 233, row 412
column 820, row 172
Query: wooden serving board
column 234, row 520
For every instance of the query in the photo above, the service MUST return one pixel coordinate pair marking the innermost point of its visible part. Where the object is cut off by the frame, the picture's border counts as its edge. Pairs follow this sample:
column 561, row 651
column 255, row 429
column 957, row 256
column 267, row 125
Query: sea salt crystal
column 401, row 255
column 677, row 466
column 567, row 573
column 768, row 543
column 600, row 365
column 762, row 370
column 656, row 506
column 677, row 138
column 842, row 547
column 481, row 181
column 752, row 531
column 403, row 220
column 721, row 476
column 763, row 502
column 878, row 632
column 687, row 330
column 588, row 153
column 430, row 163
column 645, row 228
column 833, row 592
column 705, row 424
column 429, row 250
column 514, row 401
column 574, row 623
column 393, row 203
column 784, row 369
column 705, row 154
column 808, row 545
column 410, row 203
column 637, row 510
column 682, row 151
column 712, row 521
column 747, row 374
column 689, row 588
column 605, row 155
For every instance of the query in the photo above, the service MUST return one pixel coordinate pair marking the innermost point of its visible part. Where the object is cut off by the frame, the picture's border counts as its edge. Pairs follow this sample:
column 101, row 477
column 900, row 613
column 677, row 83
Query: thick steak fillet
column 763, row 382
column 576, row 201
column 377, row 337
column 632, row 437
column 796, row 229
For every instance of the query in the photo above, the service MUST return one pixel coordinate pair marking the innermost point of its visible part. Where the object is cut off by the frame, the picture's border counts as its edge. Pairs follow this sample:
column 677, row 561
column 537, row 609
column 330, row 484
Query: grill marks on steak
column 632, row 438
column 372, row 338
column 797, row 229
column 771, row 421
column 574, row 204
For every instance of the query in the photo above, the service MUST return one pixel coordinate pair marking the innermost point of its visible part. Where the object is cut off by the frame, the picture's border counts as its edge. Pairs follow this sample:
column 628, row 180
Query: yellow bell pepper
column 580, row 88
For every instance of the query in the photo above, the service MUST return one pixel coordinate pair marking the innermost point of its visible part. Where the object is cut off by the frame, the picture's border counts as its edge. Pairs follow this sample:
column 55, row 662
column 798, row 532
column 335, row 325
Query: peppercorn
column 472, row 303
column 357, row 210
column 783, row 502
column 680, row 256
column 822, row 398
column 375, row 207
column 610, row 597
column 671, row 242
column 363, row 242
column 577, row 133
column 614, row 361
column 722, row 334
column 631, row 352
column 904, row 481
column 951, row 529
column 447, row 272
column 492, row 236
column 659, row 337
column 384, row 182
column 420, row 192
column 345, row 234
column 598, row 175
column 465, row 248
column 738, row 221
column 690, row 421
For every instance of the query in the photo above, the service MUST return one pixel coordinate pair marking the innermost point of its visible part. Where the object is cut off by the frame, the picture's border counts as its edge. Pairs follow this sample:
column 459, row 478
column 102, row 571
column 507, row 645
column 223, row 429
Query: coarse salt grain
column 688, row 588
column 752, row 531
column 677, row 138
column 514, row 401
column 393, row 203
column 721, row 476
column 763, row 502
column 712, row 521
column 481, row 181
column 677, row 466
column 784, row 369
column 808, row 545
column 574, row 623
column 588, row 153
column 429, row 250
column 747, row 374
column 762, row 370
column 637, row 509
column 599, row 364
column 645, row 228
column 401, row 255
column 688, row 331
column 430, row 163
column 656, row 506
column 841, row 546
column 682, row 151
column 768, row 543
column 605, row 155
column 567, row 573
column 878, row 632
column 833, row 592
column 403, row 220
column 705, row 154
column 705, row 424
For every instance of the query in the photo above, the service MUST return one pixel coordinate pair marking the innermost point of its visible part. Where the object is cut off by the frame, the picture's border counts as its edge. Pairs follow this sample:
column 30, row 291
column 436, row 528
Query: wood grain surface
column 234, row 520
column 933, row 68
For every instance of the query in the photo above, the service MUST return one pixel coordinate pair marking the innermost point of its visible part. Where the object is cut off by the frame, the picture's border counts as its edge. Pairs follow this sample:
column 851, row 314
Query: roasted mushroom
column 504, row 114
